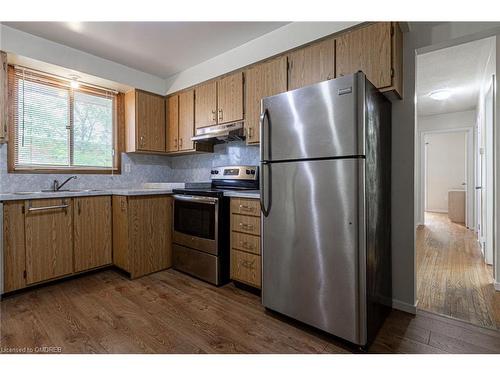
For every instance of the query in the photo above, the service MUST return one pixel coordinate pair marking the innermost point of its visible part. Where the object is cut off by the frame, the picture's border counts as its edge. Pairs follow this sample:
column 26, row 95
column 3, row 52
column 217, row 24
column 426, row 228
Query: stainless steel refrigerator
column 325, row 198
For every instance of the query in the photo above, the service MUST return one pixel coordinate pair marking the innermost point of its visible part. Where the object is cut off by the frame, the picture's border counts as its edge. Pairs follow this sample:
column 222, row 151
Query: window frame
column 117, row 136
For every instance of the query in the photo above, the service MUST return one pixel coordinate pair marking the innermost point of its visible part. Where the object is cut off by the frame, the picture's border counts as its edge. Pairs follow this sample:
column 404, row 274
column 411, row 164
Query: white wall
column 277, row 41
column 31, row 46
column 443, row 122
column 445, row 167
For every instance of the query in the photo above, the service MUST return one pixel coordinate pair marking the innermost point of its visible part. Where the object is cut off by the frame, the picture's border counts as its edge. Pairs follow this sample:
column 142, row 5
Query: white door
column 446, row 167
column 487, row 177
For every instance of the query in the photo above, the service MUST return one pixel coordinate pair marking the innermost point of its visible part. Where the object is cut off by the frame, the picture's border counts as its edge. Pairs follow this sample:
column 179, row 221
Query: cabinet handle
column 141, row 143
column 180, row 143
column 250, row 132
column 245, row 207
column 246, row 245
column 213, row 115
column 79, row 209
column 175, row 143
column 246, row 226
column 220, row 115
column 248, row 264
column 45, row 208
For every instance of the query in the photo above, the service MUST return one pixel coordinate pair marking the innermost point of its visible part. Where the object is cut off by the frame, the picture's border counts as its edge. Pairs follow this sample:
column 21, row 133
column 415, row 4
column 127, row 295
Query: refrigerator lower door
column 313, row 244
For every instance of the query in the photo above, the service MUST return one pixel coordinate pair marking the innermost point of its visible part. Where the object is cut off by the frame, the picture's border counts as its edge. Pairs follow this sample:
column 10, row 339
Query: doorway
column 455, row 182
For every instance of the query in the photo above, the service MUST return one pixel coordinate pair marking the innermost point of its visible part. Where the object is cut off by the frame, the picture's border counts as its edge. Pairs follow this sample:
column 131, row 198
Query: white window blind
column 57, row 126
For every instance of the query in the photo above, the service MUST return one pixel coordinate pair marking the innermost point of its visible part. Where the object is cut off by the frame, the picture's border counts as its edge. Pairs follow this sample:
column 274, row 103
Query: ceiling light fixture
column 440, row 94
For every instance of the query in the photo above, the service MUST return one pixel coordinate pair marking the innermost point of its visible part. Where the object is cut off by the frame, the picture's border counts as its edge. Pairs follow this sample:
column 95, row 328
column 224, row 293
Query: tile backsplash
column 137, row 169
column 196, row 168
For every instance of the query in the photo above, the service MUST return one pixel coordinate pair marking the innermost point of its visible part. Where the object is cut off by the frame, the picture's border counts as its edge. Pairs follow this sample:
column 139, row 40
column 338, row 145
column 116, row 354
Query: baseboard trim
column 403, row 306
column 496, row 284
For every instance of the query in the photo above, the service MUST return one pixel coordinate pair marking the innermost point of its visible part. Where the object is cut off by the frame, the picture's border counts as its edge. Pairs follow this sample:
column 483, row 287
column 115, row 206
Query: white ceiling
column 460, row 69
column 159, row 48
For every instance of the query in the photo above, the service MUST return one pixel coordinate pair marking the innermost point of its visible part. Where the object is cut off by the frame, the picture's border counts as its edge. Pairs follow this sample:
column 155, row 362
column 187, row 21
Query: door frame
column 496, row 149
column 469, row 172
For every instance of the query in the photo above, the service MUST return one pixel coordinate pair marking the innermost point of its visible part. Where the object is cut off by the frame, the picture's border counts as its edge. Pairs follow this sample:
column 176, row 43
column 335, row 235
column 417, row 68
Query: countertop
column 146, row 189
column 243, row 193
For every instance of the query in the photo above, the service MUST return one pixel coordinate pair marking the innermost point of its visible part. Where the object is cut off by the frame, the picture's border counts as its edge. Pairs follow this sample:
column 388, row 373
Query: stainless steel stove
column 201, row 223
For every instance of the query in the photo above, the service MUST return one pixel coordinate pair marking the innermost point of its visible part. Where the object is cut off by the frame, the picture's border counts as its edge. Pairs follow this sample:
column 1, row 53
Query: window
column 60, row 128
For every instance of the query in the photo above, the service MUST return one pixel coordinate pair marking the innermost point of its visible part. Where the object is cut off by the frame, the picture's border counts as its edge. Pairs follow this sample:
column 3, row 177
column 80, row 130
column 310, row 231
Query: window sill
column 115, row 171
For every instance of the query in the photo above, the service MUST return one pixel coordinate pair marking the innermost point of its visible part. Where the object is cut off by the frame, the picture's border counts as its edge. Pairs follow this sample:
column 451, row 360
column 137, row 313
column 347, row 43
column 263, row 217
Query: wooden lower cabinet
column 48, row 229
column 14, row 249
column 92, row 232
column 47, row 239
column 245, row 241
column 142, row 234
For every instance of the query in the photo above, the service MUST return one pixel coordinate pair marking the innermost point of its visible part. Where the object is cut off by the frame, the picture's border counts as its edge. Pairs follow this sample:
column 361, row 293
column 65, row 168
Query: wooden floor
column 169, row 312
column 452, row 278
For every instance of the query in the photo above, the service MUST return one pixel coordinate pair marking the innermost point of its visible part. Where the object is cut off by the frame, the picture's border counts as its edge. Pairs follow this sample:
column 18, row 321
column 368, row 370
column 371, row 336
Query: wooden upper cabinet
column 172, row 104
column 265, row 79
column 312, row 64
column 92, row 232
column 376, row 50
column 49, row 239
column 230, row 98
column 186, row 120
column 145, row 122
column 206, row 105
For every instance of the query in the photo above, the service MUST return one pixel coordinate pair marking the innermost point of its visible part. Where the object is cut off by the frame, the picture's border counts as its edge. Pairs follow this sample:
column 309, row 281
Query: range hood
column 220, row 133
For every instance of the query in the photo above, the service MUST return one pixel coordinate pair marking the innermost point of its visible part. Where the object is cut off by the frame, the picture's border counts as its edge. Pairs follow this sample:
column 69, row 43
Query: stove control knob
column 252, row 171
column 216, row 171
column 212, row 172
column 248, row 171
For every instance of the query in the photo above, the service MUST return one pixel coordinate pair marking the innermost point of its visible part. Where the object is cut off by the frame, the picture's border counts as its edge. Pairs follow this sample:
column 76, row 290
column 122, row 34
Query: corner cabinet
column 180, row 125
column 376, row 50
column 261, row 80
column 145, row 122
column 142, row 233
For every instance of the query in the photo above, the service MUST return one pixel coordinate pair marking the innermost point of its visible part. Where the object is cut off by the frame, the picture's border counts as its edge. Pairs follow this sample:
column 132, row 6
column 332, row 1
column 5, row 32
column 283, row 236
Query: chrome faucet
column 56, row 186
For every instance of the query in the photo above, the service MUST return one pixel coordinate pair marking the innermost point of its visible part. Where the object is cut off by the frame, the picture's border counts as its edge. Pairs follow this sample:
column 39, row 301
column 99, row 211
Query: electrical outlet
column 127, row 168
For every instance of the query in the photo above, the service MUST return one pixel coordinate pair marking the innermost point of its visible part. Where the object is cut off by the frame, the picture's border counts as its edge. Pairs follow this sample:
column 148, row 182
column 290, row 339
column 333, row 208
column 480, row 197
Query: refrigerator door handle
column 265, row 210
column 262, row 120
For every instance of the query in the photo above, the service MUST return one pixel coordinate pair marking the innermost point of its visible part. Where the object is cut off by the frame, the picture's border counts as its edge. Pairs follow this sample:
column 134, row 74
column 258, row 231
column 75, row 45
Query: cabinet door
column 230, row 98
column 14, row 252
column 262, row 80
column 206, row 105
column 312, row 64
column 150, row 122
column 3, row 96
column 367, row 49
column 172, row 104
column 186, row 120
column 150, row 226
column 92, row 230
column 49, row 239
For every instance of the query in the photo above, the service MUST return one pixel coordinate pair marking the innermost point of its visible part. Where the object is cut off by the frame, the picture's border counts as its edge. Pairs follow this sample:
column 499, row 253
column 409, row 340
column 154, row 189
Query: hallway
column 452, row 278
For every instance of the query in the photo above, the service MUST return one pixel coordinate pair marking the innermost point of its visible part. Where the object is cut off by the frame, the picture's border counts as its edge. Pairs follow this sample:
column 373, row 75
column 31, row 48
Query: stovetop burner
column 225, row 179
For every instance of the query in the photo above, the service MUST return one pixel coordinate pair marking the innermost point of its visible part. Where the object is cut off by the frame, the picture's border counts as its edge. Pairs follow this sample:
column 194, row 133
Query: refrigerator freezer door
column 316, row 121
column 311, row 242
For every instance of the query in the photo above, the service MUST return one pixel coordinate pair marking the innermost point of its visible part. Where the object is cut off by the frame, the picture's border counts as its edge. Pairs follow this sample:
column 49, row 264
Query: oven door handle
column 194, row 198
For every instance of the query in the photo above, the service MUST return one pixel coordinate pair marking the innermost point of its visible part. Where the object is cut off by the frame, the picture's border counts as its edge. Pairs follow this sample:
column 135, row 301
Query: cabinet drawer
column 245, row 224
column 245, row 242
column 245, row 206
column 246, row 268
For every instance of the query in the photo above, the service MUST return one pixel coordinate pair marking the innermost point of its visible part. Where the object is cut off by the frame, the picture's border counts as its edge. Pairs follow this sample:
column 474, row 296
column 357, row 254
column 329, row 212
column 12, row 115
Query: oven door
column 195, row 222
